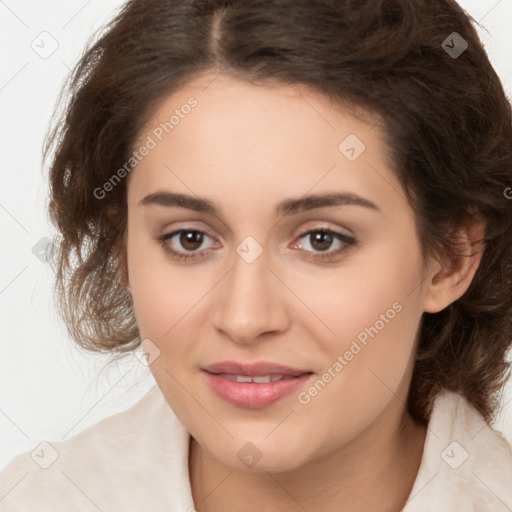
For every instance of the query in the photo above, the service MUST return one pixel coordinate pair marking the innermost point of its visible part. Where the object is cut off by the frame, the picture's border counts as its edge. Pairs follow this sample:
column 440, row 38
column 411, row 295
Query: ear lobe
column 452, row 273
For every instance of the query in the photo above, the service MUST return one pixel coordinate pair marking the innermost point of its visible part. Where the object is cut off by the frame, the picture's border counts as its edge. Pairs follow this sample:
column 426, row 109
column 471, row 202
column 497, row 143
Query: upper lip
column 253, row 369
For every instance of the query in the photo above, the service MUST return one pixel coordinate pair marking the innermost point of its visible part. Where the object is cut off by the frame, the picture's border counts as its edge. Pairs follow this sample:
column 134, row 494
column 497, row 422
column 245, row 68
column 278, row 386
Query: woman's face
column 288, row 243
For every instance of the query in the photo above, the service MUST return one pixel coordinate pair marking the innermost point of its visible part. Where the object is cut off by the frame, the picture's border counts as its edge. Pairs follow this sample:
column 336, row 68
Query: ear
column 451, row 274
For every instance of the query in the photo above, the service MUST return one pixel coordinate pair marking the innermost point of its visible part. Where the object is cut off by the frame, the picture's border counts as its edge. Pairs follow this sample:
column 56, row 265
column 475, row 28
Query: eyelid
column 348, row 242
column 319, row 225
column 333, row 232
column 175, row 232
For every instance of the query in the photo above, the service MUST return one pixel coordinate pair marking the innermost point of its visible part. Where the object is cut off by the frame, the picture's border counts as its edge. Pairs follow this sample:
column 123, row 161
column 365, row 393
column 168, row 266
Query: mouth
column 254, row 385
column 258, row 379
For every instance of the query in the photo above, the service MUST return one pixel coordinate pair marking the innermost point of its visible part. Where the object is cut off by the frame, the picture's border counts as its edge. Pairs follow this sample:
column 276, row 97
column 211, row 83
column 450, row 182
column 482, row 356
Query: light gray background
column 50, row 389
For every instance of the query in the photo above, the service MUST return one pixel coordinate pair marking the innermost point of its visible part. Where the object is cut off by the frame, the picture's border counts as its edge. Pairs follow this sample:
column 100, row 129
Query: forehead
column 222, row 134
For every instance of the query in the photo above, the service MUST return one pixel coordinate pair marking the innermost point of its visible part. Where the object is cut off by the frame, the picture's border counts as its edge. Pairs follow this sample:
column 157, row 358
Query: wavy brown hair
column 446, row 120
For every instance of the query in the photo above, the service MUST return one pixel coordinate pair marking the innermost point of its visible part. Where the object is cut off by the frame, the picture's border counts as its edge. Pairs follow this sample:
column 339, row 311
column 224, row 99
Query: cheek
column 372, row 307
column 168, row 299
column 367, row 370
column 164, row 299
column 163, row 292
column 374, row 293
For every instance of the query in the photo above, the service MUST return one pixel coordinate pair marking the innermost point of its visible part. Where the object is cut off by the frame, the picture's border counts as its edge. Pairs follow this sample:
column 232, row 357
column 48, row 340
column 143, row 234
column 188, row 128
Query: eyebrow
column 286, row 207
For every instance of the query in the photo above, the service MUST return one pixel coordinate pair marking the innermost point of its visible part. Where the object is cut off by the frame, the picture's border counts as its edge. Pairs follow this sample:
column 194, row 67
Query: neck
column 377, row 471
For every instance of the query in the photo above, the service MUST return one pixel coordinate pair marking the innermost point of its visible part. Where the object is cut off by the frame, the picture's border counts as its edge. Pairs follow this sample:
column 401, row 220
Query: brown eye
column 324, row 245
column 187, row 244
column 191, row 240
column 321, row 240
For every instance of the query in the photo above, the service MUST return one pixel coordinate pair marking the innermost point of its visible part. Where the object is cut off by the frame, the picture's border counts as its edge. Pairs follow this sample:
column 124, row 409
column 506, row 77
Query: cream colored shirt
column 137, row 460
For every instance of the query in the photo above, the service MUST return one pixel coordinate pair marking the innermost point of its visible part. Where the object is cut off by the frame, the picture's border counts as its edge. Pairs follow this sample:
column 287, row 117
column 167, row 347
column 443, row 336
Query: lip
column 253, row 395
column 254, row 369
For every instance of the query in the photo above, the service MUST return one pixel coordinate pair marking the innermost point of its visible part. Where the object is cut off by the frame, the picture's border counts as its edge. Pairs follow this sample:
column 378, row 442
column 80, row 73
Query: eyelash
column 349, row 244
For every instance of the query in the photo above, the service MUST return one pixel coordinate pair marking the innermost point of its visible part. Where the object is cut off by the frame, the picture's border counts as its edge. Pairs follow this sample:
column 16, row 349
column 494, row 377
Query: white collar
column 138, row 460
column 466, row 465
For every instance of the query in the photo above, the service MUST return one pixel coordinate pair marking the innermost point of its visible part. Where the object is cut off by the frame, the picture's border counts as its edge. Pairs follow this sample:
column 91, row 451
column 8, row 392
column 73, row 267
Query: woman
column 300, row 211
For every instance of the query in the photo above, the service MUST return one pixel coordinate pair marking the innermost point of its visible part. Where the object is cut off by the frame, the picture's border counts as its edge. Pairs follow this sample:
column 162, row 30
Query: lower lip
column 254, row 395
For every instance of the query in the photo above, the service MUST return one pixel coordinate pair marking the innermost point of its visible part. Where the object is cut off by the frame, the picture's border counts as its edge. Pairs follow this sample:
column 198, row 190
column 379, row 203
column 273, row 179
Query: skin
column 246, row 148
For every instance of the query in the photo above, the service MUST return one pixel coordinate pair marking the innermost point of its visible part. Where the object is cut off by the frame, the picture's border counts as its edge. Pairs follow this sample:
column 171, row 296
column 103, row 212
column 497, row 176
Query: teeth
column 261, row 379
column 243, row 378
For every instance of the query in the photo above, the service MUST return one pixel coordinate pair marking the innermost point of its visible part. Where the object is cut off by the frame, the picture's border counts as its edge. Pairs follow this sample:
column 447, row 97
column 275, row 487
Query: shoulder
column 466, row 464
column 112, row 465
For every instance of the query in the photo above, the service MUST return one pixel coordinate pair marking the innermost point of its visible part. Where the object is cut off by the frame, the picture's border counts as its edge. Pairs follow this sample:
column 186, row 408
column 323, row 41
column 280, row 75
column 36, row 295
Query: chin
column 258, row 456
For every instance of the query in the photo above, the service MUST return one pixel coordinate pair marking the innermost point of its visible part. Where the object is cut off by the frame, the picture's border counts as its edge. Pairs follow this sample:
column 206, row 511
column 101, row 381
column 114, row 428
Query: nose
column 250, row 303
